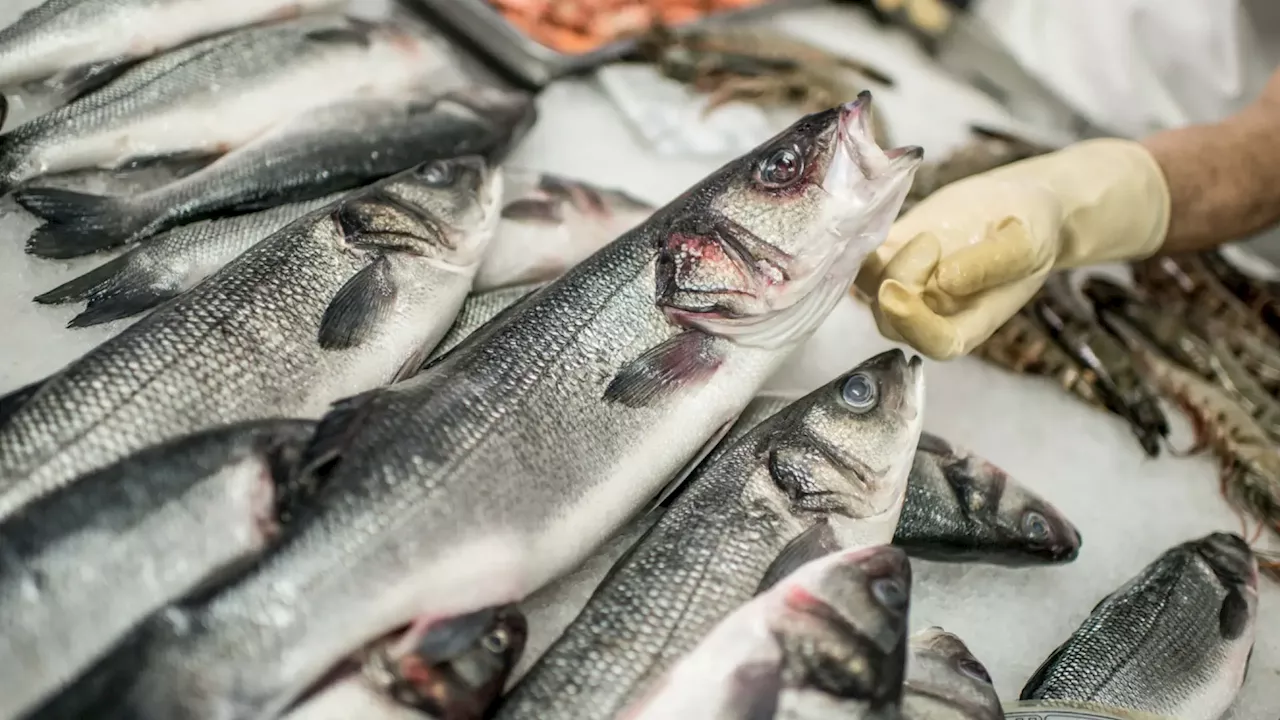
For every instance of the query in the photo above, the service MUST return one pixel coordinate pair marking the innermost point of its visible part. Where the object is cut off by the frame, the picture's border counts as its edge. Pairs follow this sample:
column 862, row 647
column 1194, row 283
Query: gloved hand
column 964, row 260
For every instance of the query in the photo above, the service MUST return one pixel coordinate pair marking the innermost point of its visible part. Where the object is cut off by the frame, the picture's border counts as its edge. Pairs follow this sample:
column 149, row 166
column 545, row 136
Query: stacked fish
column 391, row 397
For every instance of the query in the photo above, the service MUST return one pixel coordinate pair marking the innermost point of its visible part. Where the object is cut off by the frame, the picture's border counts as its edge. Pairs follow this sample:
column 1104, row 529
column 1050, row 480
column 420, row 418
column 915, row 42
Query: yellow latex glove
column 968, row 257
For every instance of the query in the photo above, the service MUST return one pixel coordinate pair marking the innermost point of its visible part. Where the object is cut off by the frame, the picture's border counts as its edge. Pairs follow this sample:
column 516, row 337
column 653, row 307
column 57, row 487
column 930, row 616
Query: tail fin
column 114, row 291
column 79, row 223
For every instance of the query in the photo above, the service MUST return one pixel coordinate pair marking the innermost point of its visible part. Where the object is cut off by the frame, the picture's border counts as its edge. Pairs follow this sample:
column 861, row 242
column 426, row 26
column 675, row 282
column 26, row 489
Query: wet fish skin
column 476, row 312
column 80, row 569
column 946, row 682
column 70, row 37
column 830, row 640
column 214, row 95
column 338, row 302
column 1175, row 640
column 819, row 462
column 329, row 149
column 962, row 508
column 416, row 494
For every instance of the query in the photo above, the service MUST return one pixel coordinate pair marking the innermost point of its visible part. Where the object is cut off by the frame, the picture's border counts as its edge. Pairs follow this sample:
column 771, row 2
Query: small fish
column 212, row 96
column 342, row 300
column 505, row 464
column 1175, row 640
column 830, row 640
column 78, row 570
column 828, row 471
column 946, row 682
column 77, row 45
column 960, row 507
column 330, row 149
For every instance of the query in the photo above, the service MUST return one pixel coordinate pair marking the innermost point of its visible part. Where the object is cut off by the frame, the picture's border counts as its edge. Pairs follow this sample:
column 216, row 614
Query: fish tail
column 126, row 302
column 114, row 290
column 98, row 281
column 78, row 223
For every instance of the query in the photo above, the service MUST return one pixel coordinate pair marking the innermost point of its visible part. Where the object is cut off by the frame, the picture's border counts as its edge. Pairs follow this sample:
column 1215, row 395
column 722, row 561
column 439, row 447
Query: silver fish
column 78, row 570
column 1175, row 640
column 830, row 470
column 215, row 95
column 338, row 302
column 330, row 149
column 961, row 507
column 946, row 682
column 508, row 462
column 79, row 44
column 828, row 641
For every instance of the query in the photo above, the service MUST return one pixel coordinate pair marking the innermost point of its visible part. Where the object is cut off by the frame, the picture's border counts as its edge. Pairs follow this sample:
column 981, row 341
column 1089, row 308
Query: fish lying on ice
column 338, row 302
column 508, row 462
column 76, row 45
column 215, row 95
column 78, row 570
column 946, row 682
column 834, row 463
column 1175, row 640
column 828, row 641
column 330, row 149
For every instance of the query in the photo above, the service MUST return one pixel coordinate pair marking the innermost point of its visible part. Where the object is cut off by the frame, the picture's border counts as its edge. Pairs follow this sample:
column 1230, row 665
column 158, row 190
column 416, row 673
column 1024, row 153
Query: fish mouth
column 1230, row 558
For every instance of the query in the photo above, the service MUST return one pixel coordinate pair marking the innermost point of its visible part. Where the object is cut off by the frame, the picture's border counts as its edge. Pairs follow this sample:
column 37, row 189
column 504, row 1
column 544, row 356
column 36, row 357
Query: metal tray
column 531, row 61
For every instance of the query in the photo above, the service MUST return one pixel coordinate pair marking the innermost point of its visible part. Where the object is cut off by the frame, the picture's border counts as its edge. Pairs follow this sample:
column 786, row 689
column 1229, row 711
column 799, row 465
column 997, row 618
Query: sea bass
column 1175, row 640
column 946, row 682
column 215, row 95
column 338, row 302
column 959, row 507
column 79, row 569
column 541, row 234
column 79, row 44
column 508, row 462
column 330, row 149
column 831, row 467
column 828, row 641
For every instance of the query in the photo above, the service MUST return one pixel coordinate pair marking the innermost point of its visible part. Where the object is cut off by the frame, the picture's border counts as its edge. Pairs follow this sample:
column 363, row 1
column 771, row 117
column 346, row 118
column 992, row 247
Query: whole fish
column 330, row 149
column 79, row 44
column 214, row 95
column 828, row 471
column 78, row 570
column 507, row 463
column 338, row 302
column 541, row 234
column 1175, row 640
column 958, row 507
column 962, row 508
column 830, row 640
column 946, row 682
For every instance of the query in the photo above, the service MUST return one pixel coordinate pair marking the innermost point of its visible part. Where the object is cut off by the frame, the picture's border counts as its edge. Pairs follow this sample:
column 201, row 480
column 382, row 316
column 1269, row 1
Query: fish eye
column 495, row 642
column 781, row 169
column 974, row 669
column 859, row 392
column 1035, row 527
column 890, row 593
column 438, row 174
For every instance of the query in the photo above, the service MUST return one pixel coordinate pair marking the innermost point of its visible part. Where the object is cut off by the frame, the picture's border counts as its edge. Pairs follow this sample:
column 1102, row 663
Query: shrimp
column 1022, row 345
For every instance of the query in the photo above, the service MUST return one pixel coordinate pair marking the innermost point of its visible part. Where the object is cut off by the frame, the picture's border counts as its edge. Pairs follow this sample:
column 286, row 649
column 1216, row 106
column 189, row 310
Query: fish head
column 945, row 680
column 842, row 629
column 1002, row 521
column 443, row 210
column 852, row 441
column 763, row 248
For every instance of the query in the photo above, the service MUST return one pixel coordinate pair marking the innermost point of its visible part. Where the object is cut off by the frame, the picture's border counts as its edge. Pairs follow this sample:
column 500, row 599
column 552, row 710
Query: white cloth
column 1137, row 66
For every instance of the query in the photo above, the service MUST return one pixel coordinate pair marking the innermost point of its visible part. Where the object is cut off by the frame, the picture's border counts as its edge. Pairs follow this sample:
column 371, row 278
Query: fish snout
column 1230, row 557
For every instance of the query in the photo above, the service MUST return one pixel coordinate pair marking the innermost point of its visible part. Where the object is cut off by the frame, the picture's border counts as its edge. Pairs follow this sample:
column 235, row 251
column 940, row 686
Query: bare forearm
column 1224, row 179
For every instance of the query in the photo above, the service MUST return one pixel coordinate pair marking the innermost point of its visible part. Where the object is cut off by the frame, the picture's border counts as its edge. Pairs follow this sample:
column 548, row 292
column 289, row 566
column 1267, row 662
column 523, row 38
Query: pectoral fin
column 359, row 307
column 686, row 359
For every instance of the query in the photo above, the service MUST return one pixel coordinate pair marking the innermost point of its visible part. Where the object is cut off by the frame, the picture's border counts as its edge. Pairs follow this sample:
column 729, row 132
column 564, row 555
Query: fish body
column 83, row 37
column 946, row 682
column 338, row 302
column 821, row 464
column 960, row 507
column 80, row 569
column 329, row 149
column 212, row 96
column 1175, row 640
column 504, row 465
column 828, row 641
